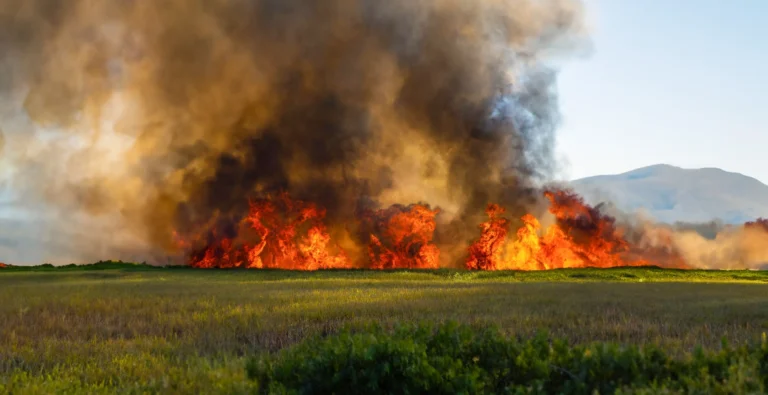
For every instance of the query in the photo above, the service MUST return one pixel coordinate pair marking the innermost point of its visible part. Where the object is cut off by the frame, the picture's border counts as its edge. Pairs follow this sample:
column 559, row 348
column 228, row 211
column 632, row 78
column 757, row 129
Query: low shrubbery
column 452, row 359
column 139, row 329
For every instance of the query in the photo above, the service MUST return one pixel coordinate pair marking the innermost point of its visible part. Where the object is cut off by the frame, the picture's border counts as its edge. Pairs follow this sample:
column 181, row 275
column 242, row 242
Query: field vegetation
column 116, row 327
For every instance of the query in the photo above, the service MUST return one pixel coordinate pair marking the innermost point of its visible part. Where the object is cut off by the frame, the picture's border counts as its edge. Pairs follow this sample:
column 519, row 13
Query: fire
column 285, row 233
column 288, row 234
column 581, row 236
column 291, row 234
column 3, row 265
column 401, row 237
column 486, row 253
column 283, row 244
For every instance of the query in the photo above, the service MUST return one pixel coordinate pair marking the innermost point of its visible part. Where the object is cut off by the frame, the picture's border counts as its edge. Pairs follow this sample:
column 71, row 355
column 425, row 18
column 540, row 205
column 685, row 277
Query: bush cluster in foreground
column 452, row 358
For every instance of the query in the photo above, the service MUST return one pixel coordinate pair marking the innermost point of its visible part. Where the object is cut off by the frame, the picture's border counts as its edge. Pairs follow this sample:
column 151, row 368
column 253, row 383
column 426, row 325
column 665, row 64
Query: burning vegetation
column 289, row 234
column 302, row 134
column 276, row 233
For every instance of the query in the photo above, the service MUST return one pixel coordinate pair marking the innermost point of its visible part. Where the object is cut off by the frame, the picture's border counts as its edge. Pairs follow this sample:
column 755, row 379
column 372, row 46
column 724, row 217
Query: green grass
column 117, row 327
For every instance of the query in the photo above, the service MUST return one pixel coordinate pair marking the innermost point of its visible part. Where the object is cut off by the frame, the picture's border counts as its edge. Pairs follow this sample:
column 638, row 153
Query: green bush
column 450, row 359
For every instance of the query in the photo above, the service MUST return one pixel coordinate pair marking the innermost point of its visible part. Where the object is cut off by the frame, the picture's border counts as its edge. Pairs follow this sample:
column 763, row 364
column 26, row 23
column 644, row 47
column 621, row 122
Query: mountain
column 670, row 193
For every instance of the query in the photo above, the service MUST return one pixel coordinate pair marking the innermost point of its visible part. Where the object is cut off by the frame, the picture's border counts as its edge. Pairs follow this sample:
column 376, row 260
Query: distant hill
column 670, row 193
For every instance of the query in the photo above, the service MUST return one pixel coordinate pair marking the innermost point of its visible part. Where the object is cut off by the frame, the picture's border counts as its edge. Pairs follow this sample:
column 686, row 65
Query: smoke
column 706, row 245
column 127, row 121
column 734, row 248
column 708, row 230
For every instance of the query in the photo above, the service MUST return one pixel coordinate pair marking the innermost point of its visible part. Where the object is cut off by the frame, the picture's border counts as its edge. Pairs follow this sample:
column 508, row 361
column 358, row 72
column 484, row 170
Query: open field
column 138, row 329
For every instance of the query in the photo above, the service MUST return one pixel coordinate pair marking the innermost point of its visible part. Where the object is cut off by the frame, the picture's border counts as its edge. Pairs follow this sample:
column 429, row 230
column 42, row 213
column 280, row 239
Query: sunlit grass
column 140, row 329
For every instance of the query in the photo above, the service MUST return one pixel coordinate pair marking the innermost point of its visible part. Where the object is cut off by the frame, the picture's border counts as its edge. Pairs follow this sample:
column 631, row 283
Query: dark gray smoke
column 132, row 120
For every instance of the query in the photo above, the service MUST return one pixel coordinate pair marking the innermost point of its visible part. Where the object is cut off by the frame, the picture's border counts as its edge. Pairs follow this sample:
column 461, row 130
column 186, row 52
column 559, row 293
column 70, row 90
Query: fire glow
column 284, row 233
column 314, row 135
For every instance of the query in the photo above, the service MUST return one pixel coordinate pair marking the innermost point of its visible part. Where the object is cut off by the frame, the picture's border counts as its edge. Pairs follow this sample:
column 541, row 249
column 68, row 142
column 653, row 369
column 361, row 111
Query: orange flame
column 290, row 234
column 401, row 237
column 284, row 233
column 486, row 253
column 581, row 236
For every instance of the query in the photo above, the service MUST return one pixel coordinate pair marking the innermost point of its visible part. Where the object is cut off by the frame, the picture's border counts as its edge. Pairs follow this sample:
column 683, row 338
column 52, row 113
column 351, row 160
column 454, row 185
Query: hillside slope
column 670, row 193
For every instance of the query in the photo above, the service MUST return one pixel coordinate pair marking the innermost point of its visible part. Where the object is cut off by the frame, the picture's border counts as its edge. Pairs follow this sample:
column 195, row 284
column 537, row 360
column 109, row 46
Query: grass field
column 123, row 328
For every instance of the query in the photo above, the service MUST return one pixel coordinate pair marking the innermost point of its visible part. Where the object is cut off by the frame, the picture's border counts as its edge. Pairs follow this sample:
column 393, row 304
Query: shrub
column 451, row 358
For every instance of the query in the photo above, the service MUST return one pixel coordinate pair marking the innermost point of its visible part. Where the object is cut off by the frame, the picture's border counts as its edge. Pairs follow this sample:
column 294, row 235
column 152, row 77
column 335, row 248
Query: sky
column 681, row 82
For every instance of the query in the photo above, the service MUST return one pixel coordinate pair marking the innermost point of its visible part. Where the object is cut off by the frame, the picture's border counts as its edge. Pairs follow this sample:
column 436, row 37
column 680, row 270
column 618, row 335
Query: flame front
column 402, row 238
column 581, row 236
column 285, row 233
column 288, row 234
column 487, row 252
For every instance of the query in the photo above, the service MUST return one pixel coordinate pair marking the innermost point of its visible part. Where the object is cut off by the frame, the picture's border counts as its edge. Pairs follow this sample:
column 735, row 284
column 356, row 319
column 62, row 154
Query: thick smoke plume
column 128, row 122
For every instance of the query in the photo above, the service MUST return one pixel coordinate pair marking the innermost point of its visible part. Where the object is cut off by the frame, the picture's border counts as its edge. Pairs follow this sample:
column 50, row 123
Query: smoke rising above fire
column 147, row 119
column 303, row 134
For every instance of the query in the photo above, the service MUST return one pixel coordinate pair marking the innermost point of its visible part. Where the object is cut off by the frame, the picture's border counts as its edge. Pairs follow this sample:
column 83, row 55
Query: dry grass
column 188, row 331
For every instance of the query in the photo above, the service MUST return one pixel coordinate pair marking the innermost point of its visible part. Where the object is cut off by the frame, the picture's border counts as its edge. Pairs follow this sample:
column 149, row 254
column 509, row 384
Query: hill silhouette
column 670, row 194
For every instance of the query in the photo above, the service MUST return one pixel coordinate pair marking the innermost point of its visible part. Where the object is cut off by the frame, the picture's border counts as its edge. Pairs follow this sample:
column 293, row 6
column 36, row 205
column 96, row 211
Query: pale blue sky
column 681, row 82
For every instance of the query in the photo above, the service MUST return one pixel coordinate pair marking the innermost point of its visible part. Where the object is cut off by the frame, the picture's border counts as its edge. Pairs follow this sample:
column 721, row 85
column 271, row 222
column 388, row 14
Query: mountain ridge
column 670, row 193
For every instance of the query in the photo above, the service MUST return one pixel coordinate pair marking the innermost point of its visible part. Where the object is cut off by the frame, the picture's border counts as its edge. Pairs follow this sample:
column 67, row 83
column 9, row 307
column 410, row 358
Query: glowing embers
column 401, row 237
column 277, row 233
